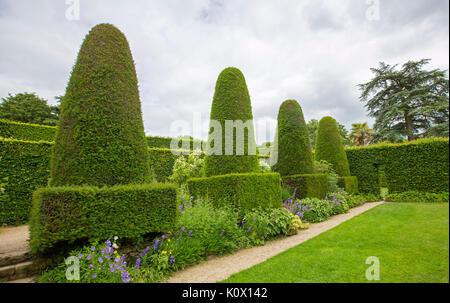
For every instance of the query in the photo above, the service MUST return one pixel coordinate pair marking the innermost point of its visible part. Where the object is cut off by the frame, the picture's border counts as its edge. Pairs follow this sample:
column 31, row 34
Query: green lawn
column 411, row 241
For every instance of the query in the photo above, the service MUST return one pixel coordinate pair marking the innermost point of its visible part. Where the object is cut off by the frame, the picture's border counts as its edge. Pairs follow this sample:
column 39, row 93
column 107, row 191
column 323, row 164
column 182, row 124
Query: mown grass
column 411, row 241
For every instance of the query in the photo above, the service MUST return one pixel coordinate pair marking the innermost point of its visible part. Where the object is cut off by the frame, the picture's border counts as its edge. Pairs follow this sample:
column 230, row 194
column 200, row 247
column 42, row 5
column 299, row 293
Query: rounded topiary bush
column 293, row 145
column 101, row 139
column 329, row 146
column 231, row 102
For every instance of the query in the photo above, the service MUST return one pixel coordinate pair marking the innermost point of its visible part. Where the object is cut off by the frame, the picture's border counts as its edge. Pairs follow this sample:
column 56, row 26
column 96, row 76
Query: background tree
column 28, row 108
column 407, row 103
column 361, row 134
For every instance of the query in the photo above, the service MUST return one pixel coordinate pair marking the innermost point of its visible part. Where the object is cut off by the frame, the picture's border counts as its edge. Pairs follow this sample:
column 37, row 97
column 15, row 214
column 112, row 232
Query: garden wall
column 420, row 165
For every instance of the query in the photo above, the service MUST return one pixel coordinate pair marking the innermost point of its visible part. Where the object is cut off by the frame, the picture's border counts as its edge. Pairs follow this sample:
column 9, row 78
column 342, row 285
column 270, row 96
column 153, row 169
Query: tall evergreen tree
column 410, row 102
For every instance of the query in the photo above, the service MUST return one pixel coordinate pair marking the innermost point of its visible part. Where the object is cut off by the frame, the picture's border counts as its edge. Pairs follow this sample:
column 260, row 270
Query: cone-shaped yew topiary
column 329, row 146
column 101, row 138
column 294, row 147
column 237, row 152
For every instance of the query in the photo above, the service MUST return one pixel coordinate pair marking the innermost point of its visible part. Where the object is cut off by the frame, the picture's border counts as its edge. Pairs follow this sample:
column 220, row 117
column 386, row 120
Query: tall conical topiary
column 329, row 146
column 101, row 139
column 231, row 102
column 293, row 144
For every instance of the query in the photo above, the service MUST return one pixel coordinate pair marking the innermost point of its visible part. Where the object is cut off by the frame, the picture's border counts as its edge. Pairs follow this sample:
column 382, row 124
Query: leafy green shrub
column 231, row 102
column 329, row 146
column 26, row 131
column 184, row 169
column 216, row 227
column 24, row 166
column 294, row 146
column 349, row 184
column 314, row 185
column 243, row 192
column 417, row 196
column 100, row 138
column 420, row 165
column 355, row 200
column 266, row 224
column 338, row 202
column 72, row 213
column 323, row 167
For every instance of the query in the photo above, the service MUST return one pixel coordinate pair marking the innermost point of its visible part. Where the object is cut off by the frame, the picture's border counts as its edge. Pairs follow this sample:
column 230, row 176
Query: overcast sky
column 313, row 51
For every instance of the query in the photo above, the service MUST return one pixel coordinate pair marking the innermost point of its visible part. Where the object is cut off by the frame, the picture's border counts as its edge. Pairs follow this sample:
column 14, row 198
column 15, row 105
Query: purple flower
column 189, row 233
column 92, row 248
column 156, row 244
column 243, row 223
column 125, row 277
column 80, row 256
column 163, row 237
column 182, row 229
column 107, row 257
column 172, row 259
column 249, row 229
column 100, row 260
column 89, row 257
column 91, row 266
column 182, row 197
column 138, row 262
column 301, row 215
column 221, row 234
column 94, row 276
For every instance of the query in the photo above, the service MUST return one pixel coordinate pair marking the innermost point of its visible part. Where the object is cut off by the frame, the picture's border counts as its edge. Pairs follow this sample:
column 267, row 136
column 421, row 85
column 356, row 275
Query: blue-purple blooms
column 92, row 248
column 138, row 262
column 80, row 256
column 172, row 260
column 156, row 245
column 89, row 257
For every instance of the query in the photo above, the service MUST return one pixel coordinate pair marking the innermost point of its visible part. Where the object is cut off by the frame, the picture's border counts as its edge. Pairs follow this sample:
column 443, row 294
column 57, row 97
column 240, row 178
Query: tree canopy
column 28, row 108
column 409, row 102
column 361, row 134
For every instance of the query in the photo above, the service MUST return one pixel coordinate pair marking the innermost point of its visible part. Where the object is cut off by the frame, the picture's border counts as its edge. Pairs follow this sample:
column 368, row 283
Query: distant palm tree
column 361, row 134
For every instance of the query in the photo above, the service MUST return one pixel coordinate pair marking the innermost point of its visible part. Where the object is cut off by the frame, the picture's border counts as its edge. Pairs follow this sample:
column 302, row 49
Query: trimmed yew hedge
column 66, row 214
column 164, row 142
column 241, row 191
column 24, row 166
column 308, row 185
column 293, row 144
column 26, row 131
column 349, row 184
column 231, row 102
column 420, row 165
column 329, row 146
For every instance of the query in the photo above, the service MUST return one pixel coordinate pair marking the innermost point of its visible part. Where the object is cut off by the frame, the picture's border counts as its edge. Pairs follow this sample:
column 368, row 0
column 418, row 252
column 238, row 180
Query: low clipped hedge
column 242, row 191
column 308, row 185
column 421, row 165
column 417, row 196
column 26, row 131
column 24, row 166
column 164, row 142
column 349, row 184
column 66, row 214
column 161, row 162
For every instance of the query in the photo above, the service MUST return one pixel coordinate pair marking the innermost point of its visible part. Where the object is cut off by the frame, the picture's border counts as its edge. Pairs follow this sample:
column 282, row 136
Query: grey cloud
column 312, row 51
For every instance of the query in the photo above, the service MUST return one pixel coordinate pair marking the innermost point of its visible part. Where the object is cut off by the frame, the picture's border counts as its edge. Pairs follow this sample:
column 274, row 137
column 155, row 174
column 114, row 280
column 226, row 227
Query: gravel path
column 220, row 268
column 13, row 239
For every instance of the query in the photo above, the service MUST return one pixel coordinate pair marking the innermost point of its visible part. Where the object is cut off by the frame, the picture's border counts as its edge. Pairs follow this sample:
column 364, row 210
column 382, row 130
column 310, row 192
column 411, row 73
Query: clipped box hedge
column 164, row 142
column 242, row 191
column 420, row 165
column 308, row 185
column 349, row 184
column 26, row 131
column 66, row 214
column 24, row 166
